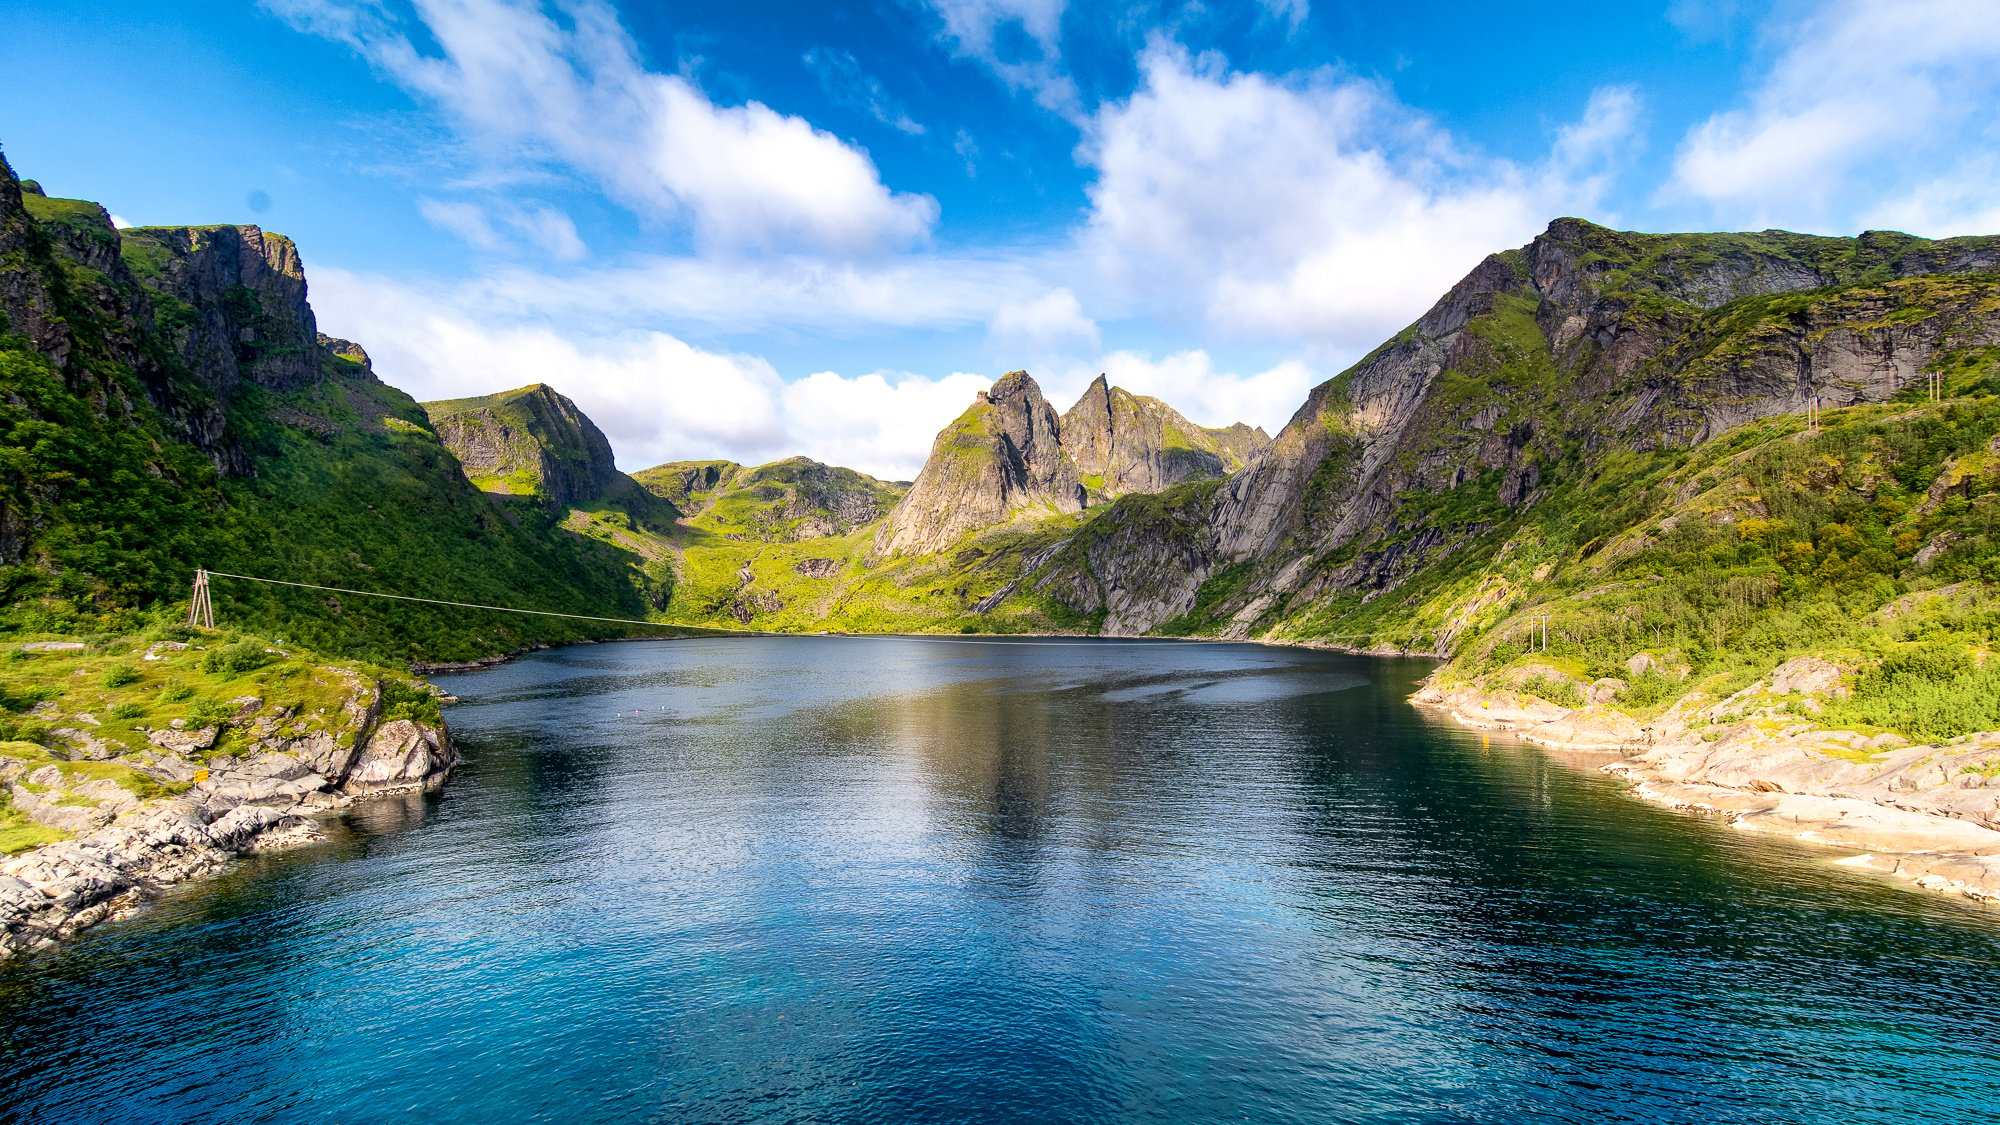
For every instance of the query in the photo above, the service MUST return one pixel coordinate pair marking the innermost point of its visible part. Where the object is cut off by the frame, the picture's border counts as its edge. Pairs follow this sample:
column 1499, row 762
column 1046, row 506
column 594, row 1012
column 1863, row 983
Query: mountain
column 528, row 442
column 1122, row 442
column 781, row 545
column 1002, row 456
column 167, row 403
column 785, row 501
column 1605, row 436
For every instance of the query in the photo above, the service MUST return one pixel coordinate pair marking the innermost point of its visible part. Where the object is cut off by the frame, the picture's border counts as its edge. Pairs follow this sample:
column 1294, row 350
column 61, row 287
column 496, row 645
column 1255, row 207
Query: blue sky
column 756, row 229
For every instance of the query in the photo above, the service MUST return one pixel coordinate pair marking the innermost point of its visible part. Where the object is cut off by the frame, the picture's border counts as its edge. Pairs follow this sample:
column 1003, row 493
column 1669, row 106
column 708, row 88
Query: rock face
column 1122, row 442
column 1542, row 360
column 528, row 442
column 194, row 313
column 782, row 502
column 1004, row 455
column 128, row 847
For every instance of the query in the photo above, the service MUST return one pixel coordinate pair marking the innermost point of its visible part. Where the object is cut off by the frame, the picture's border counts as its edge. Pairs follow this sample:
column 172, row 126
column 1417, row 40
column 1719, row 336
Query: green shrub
column 209, row 713
column 125, row 711
column 1649, row 689
column 403, row 699
column 1930, row 692
column 1561, row 692
column 246, row 655
column 175, row 691
column 118, row 675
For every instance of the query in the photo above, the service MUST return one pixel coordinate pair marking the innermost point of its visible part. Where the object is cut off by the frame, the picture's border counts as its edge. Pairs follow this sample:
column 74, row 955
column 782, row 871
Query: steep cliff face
column 169, row 404
column 1003, row 456
column 1122, row 443
column 528, row 442
column 1540, row 367
column 231, row 301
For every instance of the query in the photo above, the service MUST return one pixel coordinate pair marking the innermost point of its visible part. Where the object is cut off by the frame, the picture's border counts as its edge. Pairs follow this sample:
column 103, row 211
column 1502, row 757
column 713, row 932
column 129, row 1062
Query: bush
column 175, row 691
column 118, row 675
column 1929, row 692
column 1562, row 693
column 125, row 711
column 209, row 713
column 402, row 699
column 246, row 655
column 1652, row 687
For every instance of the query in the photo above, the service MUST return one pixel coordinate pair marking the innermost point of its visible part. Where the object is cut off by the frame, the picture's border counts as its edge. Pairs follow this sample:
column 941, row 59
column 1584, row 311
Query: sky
column 755, row 229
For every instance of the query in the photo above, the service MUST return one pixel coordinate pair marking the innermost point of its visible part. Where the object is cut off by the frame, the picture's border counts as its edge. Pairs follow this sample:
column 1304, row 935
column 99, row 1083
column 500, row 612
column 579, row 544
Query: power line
column 202, row 576
column 461, row 605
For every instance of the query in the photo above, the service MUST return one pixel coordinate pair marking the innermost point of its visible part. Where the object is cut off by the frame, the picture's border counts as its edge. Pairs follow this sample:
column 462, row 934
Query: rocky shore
column 141, row 818
column 1929, row 814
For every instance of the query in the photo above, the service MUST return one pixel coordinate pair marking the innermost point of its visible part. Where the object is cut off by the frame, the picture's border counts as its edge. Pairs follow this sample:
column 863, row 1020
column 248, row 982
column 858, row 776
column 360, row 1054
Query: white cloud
column 1293, row 12
column 880, row 423
column 1189, row 382
column 655, row 396
column 1316, row 207
column 545, row 228
column 1863, row 95
column 1020, row 41
column 1049, row 324
column 528, row 88
column 466, row 220
column 841, row 77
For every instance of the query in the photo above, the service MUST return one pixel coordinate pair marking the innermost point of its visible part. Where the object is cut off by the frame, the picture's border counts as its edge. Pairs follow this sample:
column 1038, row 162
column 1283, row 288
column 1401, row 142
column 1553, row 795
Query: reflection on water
column 889, row 880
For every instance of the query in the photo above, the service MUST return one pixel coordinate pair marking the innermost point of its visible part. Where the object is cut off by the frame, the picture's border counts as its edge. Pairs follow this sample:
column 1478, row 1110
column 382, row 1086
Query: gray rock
column 402, row 755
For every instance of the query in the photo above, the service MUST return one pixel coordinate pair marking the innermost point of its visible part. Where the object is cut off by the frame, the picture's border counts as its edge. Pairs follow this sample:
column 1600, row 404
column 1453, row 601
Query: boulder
column 403, row 754
column 185, row 741
column 1808, row 675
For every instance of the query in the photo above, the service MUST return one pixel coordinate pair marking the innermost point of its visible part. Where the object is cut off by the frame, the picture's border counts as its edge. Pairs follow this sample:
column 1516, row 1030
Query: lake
column 826, row 879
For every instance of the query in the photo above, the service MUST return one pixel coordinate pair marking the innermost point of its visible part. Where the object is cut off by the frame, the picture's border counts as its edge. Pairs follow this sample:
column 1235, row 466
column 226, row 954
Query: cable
column 738, row 632
column 475, row 605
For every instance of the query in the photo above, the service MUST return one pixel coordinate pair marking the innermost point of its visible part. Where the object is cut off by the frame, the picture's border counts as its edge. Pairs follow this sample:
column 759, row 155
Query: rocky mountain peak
column 531, row 441
column 1122, row 442
column 1002, row 457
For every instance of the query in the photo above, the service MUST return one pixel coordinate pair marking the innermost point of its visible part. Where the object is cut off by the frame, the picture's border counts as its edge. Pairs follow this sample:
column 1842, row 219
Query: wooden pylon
column 201, row 611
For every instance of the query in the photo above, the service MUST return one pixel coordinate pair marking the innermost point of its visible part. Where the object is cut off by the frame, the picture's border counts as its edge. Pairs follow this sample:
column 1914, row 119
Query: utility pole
column 201, row 611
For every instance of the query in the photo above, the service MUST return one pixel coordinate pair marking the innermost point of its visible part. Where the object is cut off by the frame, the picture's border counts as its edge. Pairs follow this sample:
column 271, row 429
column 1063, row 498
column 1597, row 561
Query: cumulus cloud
column 881, row 423
column 1050, row 324
column 1020, row 41
column 1190, row 382
column 1315, row 207
column 657, row 397
column 575, row 94
column 1862, row 94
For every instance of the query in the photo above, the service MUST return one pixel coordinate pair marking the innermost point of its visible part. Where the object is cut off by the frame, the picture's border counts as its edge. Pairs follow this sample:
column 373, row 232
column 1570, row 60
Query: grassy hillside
column 129, row 457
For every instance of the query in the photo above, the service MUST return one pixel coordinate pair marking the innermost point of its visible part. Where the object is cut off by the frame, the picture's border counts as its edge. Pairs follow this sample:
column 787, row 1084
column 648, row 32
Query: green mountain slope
column 1610, row 431
column 166, row 403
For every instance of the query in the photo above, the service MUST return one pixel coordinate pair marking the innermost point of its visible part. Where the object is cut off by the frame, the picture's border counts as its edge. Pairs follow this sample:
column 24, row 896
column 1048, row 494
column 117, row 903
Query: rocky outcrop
column 1122, row 443
column 232, row 302
column 176, row 811
column 1544, row 360
column 1929, row 814
column 529, row 442
column 1000, row 458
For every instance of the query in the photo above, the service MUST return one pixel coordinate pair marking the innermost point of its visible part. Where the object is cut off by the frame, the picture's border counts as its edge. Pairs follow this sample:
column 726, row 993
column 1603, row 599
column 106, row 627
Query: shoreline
column 1927, row 815
column 124, row 849
column 494, row 660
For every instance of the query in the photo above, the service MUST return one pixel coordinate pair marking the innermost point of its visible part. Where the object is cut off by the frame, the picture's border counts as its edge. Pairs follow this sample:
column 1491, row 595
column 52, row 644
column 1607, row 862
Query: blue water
column 881, row 880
